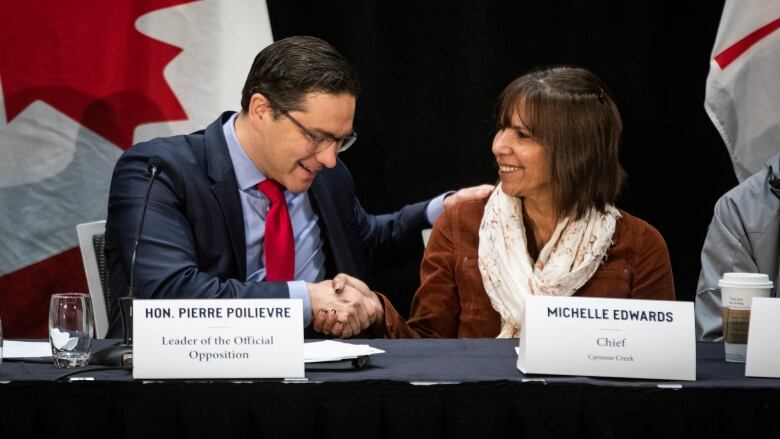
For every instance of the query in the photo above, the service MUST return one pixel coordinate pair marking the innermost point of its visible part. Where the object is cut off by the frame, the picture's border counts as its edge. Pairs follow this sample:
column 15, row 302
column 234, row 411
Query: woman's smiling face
column 522, row 164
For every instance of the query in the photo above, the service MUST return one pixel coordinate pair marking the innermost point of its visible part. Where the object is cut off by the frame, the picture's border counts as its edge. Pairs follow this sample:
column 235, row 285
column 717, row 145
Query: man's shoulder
column 750, row 204
column 182, row 145
column 177, row 146
column 183, row 151
column 336, row 174
column 753, row 188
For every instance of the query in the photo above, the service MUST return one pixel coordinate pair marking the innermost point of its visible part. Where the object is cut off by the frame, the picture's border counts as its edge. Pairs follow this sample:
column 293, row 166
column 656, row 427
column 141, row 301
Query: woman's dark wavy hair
column 285, row 71
column 571, row 113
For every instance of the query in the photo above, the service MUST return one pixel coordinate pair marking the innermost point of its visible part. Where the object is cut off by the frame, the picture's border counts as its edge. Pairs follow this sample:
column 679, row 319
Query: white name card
column 608, row 337
column 763, row 349
column 218, row 338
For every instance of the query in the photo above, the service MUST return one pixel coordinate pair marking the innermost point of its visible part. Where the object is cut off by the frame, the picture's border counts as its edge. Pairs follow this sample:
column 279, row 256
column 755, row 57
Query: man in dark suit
column 216, row 225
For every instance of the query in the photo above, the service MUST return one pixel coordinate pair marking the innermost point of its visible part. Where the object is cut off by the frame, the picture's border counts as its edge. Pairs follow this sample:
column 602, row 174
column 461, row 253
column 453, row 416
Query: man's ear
column 259, row 107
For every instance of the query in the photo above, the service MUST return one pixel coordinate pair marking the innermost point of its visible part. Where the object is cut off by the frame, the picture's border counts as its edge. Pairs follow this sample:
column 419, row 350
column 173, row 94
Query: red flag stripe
column 108, row 75
column 734, row 51
column 24, row 294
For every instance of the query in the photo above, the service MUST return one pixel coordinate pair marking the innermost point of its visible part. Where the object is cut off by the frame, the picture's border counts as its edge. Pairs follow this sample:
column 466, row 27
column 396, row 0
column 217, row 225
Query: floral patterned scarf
column 568, row 260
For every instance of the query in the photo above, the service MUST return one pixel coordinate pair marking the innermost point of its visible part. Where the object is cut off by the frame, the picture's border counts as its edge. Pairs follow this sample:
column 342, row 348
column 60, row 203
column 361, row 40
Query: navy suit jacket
column 193, row 243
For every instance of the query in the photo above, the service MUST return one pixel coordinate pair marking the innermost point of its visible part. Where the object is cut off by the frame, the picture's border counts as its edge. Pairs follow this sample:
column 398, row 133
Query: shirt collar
column 247, row 174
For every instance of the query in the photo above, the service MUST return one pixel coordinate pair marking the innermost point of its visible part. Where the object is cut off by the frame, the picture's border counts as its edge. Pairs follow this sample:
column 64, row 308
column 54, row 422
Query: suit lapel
column 331, row 227
column 225, row 188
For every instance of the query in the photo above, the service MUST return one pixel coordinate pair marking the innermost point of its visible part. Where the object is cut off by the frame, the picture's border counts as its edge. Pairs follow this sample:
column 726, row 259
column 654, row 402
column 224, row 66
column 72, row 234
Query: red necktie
column 278, row 243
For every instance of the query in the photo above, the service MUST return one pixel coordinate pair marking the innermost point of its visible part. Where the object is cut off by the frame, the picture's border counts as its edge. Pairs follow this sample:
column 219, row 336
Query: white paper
column 331, row 350
column 26, row 349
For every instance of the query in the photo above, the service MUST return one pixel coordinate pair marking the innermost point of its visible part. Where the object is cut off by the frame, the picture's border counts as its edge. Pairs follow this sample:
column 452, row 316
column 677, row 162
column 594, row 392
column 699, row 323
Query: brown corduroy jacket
column 452, row 303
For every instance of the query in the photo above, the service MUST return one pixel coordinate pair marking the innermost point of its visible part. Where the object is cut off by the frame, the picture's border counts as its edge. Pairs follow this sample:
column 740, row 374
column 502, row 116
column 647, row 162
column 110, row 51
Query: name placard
column 763, row 351
column 608, row 337
column 218, row 338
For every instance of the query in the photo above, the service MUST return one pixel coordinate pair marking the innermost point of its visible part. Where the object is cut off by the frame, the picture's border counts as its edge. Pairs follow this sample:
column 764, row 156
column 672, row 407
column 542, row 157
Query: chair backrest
column 92, row 243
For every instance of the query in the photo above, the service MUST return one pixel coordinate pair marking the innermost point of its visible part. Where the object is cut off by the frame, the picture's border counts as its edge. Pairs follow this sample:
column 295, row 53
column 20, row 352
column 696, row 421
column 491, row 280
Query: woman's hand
column 356, row 295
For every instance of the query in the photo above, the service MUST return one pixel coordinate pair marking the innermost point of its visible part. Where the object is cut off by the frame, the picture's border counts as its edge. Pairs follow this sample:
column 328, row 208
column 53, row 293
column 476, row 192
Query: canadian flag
column 743, row 86
column 81, row 81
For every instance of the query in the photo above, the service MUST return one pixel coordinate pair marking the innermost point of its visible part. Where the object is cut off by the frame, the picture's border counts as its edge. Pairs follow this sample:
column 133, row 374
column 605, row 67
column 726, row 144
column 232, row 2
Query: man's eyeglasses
column 322, row 143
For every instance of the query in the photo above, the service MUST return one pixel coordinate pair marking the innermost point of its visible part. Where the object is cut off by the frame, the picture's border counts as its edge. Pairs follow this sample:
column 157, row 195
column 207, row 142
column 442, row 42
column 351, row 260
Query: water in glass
column 70, row 329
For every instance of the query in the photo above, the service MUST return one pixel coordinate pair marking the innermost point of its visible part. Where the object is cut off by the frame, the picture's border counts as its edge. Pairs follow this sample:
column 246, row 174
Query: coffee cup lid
column 745, row 280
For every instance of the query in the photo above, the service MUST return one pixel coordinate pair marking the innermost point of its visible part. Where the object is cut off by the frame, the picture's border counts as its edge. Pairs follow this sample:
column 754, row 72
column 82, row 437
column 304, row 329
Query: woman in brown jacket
column 549, row 228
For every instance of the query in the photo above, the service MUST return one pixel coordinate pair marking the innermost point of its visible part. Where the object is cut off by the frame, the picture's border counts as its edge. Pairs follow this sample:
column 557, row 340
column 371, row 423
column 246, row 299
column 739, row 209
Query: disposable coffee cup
column 737, row 291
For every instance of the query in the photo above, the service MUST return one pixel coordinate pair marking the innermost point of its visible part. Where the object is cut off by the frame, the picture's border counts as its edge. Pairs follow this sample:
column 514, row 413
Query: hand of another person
column 376, row 312
column 341, row 314
column 468, row 193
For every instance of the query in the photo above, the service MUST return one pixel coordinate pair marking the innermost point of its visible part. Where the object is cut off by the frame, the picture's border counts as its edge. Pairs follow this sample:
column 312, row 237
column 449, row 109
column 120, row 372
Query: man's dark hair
column 287, row 70
column 571, row 113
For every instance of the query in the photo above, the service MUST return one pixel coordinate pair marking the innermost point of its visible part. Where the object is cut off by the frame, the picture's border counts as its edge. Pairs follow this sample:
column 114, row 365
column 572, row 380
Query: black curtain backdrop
column 431, row 73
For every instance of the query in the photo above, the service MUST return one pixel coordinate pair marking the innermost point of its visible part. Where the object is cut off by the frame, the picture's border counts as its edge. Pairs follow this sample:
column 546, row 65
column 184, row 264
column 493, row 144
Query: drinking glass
column 70, row 329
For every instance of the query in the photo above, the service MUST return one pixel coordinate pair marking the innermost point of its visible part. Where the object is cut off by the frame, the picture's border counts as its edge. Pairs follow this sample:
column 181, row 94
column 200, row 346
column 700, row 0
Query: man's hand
column 376, row 313
column 469, row 193
column 349, row 308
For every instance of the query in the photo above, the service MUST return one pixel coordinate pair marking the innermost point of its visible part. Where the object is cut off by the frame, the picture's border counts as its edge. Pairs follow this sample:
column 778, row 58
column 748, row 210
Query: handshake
column 344, row 307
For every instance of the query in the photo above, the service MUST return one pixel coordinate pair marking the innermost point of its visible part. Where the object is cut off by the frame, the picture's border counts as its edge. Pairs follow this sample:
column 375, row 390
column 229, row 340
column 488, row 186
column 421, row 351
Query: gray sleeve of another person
column 744, row 236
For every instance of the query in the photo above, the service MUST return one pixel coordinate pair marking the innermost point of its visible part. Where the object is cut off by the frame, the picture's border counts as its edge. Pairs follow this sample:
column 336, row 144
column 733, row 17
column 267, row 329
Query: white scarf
column 568, row 260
